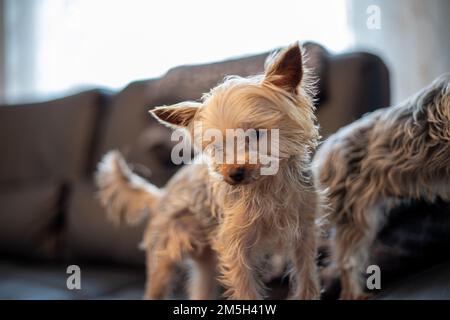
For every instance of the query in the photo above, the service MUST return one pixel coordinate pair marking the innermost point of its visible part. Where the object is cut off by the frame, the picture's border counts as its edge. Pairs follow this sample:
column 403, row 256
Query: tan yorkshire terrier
column 386, row 158
column 227, row 217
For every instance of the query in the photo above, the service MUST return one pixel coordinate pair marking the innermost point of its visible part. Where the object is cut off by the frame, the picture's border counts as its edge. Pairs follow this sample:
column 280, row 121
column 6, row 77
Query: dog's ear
column 285, row 69
column 179, row 115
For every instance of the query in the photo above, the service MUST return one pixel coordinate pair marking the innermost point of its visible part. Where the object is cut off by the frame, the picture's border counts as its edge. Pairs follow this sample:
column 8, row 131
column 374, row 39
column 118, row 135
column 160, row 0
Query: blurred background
column 51, row 47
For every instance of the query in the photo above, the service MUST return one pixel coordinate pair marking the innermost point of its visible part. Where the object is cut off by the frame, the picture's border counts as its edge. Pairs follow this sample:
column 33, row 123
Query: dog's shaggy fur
column 392, row 155
column 227, row 228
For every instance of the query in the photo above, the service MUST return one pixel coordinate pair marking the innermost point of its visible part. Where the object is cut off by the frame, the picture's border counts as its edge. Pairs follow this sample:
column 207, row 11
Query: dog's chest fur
column 272, row 212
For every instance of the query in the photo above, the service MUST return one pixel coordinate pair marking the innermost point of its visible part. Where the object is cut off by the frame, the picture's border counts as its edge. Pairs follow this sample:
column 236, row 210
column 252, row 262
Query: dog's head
column 247, row 125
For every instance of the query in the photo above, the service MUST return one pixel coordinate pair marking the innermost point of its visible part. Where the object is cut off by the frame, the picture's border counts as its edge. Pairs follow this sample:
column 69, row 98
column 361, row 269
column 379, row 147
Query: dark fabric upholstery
column 29, row 220
column 48, row 140
column 90, row 237
column 29, row 280
column 430, row 284
column 130, row 128
column 357, row 83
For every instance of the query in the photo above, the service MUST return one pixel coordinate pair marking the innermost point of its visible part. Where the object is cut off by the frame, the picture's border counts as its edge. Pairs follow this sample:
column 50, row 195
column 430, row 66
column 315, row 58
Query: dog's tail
column 126, row 196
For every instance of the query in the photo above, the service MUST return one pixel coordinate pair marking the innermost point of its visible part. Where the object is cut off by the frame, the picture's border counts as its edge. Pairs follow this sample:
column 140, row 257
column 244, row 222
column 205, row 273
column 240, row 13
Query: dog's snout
column 237, row 174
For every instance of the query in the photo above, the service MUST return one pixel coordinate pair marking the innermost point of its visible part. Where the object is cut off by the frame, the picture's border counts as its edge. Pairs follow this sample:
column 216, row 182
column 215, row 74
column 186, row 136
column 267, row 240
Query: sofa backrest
column 44, row 151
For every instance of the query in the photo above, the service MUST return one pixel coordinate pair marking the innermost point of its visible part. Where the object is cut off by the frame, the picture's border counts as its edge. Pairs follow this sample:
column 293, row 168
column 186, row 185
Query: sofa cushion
column 28, row 218
column 48, row 140
column 91, row 237
column 25, row 281
column 129, row 128
column 356, row 83
column 431, row 284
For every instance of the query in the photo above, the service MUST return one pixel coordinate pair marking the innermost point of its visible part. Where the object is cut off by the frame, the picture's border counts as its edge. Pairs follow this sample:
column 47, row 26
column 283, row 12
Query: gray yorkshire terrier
column 387, row 157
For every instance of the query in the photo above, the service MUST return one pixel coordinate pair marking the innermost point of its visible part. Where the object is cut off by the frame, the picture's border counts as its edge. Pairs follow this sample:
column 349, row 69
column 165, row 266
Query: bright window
column 76, row 43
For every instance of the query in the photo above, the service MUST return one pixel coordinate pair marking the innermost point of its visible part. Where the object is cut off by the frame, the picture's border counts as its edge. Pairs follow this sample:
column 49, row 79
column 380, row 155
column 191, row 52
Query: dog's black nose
column 237, row 174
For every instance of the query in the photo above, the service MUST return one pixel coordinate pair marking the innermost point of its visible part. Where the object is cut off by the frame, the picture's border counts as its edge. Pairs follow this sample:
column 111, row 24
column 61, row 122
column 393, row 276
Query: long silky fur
column 392, row 155
column 127, row 197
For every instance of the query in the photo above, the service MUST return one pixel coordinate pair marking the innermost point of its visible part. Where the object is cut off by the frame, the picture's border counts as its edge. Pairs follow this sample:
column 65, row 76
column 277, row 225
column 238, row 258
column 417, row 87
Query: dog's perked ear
column 285, row 69
column 179, row 115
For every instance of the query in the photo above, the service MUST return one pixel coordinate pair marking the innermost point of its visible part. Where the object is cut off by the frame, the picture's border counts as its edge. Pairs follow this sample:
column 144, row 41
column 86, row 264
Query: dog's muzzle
column 236, row 176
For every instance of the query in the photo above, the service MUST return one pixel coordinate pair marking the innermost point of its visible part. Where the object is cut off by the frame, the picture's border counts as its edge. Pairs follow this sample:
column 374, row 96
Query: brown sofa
column 49, row 216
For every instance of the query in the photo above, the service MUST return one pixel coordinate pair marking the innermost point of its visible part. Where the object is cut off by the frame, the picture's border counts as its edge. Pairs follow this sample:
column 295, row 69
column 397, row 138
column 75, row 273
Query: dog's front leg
column 304, row 273
column 203, row 284
column 160, row 270
column 239, row 278
column 238, row 273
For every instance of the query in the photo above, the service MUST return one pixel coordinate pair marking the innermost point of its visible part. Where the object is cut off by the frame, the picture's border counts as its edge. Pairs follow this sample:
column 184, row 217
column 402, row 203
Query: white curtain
column 413, row 38
column 60, row 45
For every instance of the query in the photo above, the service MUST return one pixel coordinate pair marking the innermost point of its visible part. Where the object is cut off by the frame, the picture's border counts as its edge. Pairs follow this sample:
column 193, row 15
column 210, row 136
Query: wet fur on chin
column 227, row 231
column 388, row 157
